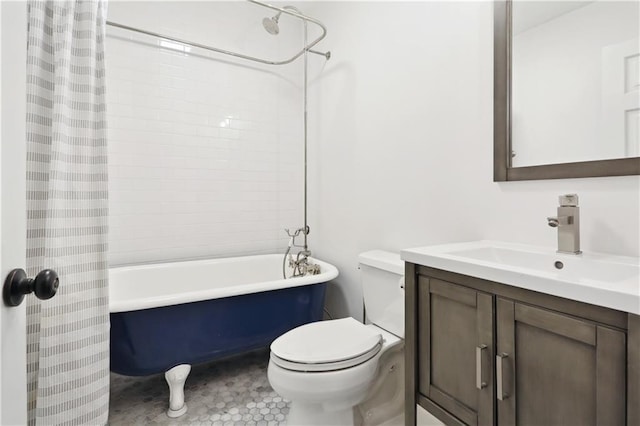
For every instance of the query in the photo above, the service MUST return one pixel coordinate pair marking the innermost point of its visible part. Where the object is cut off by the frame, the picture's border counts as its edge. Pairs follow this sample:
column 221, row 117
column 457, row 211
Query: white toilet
column 342, row 372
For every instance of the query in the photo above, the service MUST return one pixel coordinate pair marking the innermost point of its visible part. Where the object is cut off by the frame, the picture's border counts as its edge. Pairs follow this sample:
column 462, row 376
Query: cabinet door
column 455, row 350
column 554, row 369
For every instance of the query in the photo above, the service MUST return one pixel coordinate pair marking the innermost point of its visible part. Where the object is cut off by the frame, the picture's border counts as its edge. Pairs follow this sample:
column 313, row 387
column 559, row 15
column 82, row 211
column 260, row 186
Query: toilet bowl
column 328, row 369
column 323, row 386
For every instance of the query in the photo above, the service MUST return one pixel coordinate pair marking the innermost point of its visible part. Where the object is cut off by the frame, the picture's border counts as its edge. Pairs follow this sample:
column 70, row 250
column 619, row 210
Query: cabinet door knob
column 17, row 285
column 479, row 383
column 500, row 376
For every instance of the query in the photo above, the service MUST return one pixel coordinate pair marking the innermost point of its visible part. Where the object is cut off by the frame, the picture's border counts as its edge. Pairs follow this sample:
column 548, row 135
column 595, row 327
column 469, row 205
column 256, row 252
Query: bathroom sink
column 600, row 279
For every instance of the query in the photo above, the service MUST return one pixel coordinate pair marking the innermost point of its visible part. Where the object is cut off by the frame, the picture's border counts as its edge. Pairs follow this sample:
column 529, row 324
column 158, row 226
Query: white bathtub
column 155, row 285
column 163, row 315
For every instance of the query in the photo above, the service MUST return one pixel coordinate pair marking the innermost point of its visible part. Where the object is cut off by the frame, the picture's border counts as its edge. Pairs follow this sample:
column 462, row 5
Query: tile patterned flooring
column 234, row 392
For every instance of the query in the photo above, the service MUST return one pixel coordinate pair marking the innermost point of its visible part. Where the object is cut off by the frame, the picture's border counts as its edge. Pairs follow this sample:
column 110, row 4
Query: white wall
column 402, row 145
column 204, row 151
column 559, row 97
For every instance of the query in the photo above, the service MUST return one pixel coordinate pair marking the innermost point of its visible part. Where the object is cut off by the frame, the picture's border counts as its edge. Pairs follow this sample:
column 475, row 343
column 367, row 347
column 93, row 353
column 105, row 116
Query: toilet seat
column 326, row 346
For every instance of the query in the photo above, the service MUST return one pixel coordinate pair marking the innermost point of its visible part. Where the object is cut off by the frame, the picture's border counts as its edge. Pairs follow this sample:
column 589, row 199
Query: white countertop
column 599, row 279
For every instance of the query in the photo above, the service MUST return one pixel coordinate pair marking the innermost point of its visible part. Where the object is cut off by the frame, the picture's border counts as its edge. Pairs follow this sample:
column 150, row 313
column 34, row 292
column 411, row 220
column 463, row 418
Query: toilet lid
column 326, row 345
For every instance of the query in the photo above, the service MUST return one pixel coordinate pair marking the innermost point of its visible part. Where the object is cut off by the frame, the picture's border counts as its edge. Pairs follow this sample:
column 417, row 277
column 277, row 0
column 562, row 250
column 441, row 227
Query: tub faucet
column 300, row 265
column 568, row 223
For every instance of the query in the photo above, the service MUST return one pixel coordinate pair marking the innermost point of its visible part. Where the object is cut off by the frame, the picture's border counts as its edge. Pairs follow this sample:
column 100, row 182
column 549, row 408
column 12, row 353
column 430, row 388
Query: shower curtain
column 67, row 336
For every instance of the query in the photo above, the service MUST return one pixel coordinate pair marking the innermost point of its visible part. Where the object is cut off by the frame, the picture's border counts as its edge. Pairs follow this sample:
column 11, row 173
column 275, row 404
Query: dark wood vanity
column 484, row 353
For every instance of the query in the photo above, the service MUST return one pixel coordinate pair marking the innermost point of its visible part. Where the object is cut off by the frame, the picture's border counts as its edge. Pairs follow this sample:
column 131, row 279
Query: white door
column 621, row 98
column 13, row 54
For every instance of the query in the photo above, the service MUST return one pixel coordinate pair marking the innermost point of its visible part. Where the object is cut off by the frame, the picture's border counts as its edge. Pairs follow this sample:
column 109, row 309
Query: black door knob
column 17, row 285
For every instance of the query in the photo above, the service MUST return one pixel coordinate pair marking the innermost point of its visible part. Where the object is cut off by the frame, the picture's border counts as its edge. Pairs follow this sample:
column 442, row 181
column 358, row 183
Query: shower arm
column 293, row 13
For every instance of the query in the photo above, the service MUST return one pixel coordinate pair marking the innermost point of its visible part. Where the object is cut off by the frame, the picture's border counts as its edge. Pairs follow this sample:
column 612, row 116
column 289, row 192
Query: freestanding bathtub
column 165, row 317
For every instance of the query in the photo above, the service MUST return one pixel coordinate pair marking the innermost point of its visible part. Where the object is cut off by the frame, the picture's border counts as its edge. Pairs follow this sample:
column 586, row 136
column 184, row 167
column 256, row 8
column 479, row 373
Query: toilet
column 343, row 372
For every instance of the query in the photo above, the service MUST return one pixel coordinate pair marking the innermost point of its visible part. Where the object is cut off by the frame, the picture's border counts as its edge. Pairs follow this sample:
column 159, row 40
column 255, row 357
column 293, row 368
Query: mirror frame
column 502, row 169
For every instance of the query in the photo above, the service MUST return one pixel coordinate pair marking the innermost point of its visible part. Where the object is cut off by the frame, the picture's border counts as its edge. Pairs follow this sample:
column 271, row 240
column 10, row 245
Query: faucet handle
column 556, row 221
column 568, row 200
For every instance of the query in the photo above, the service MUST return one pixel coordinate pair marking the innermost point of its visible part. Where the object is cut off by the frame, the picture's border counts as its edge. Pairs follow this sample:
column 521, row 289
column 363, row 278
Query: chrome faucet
column 301, row 265
column 568, row 223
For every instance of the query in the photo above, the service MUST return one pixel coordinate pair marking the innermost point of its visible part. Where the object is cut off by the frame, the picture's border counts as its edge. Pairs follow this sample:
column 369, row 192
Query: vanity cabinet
column 455, row 368
column 554, row 369
column 485, row 353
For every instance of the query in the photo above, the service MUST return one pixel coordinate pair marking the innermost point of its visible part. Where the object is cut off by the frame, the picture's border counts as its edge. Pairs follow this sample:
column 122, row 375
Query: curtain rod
column 307, row 48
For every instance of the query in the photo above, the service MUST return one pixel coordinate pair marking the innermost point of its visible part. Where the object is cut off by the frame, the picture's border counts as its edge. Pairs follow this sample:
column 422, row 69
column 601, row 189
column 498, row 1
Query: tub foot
column 176, row 378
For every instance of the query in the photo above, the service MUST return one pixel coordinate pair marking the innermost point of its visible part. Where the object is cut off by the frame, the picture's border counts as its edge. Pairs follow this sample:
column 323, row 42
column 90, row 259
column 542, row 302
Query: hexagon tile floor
column 228, row 392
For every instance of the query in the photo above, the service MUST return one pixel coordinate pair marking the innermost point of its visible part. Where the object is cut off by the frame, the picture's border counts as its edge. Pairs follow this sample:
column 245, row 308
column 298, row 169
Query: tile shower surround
column 204, row 155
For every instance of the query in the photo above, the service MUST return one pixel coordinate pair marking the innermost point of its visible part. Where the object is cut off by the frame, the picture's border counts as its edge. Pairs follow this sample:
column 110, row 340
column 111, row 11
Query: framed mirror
column 566, row 89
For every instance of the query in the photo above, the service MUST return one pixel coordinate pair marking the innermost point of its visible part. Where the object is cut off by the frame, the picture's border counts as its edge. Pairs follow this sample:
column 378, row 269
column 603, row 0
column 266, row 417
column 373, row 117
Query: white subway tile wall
column 205, row 154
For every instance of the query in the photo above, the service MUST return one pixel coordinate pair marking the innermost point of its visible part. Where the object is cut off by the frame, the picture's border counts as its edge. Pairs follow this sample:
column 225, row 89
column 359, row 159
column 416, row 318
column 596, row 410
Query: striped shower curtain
column 67, row 336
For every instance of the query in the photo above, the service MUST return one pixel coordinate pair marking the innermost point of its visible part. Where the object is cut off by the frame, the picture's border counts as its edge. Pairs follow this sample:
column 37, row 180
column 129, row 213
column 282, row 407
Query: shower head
column 271, row 24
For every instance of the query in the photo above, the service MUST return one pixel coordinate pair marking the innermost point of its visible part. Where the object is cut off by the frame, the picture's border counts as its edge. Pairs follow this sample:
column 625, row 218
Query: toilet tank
column 382, row 278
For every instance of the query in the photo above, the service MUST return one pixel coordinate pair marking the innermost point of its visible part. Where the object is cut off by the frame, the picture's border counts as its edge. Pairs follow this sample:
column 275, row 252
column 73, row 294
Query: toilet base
column 384, row 404
column 301, row 414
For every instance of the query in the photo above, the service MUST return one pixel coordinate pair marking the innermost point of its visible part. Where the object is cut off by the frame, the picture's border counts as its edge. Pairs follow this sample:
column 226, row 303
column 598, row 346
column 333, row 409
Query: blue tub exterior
column 154, row 340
